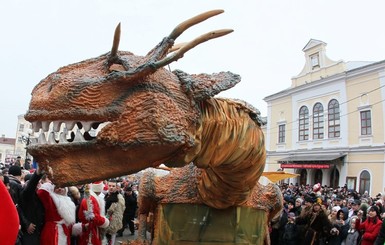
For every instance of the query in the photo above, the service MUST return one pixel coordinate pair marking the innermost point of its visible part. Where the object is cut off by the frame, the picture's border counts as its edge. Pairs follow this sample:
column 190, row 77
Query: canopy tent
column 278, row 175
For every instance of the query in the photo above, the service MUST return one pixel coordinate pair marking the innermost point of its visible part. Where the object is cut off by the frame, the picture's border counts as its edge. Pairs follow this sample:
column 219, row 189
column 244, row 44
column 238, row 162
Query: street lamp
column 26, row 139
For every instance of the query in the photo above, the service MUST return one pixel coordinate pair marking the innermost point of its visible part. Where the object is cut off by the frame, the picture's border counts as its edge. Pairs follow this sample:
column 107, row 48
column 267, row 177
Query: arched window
column 364, row 182
column 303, row 123
column 303, row 177
column 334, row 177
column 318, row 121
column 318, row 176
column 334, row 119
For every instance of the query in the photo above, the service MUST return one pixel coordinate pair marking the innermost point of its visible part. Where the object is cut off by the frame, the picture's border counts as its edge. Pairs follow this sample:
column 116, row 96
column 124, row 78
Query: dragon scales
column 146, row 115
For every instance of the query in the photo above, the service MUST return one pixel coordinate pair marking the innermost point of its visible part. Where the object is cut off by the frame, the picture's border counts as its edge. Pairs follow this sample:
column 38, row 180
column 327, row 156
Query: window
column 334, row 177
column 314, row 59
column 366, row 123
column 21, row 127
column 318, row 121
column 364, row 182
column 334, row 119
column 318, row 176
column 303, row 123
column 281, row 133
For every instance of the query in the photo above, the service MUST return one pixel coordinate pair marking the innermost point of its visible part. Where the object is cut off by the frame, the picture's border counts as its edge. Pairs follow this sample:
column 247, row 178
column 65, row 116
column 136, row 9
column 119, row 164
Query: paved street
column 126, row 237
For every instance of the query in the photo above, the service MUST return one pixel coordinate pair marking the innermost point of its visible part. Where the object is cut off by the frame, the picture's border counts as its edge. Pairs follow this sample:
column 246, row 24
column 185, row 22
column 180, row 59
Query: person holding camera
column 371, row 226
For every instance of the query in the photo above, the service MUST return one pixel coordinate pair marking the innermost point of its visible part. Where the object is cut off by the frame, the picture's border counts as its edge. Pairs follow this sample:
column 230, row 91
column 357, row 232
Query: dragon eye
column 50, row 86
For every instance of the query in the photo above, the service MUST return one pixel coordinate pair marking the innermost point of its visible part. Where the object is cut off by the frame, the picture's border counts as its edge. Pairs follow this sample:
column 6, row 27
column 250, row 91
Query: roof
column 351, row 65
column 7, row 141
column 311, row 158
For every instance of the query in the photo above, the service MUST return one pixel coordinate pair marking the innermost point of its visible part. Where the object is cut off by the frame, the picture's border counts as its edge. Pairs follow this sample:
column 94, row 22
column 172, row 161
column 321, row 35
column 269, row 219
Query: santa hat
column 317, row 187
column 97, row 186
column 8, row 212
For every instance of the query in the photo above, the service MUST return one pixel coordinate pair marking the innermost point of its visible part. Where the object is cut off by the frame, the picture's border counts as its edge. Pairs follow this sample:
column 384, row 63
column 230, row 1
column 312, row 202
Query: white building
column 328, row 126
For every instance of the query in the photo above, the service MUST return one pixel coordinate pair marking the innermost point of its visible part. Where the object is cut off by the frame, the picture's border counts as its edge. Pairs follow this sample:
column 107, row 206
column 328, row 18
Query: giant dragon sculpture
column 145, row 115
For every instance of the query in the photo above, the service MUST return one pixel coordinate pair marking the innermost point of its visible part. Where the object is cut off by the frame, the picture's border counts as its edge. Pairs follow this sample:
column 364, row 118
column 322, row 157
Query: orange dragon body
column 120, row 113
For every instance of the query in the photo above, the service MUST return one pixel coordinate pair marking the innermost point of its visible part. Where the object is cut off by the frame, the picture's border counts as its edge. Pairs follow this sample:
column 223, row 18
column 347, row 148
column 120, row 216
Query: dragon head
column 120, row 113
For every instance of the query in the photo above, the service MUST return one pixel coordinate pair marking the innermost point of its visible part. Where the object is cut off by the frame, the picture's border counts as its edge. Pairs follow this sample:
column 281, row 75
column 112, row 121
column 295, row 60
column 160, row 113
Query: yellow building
column 328, row 126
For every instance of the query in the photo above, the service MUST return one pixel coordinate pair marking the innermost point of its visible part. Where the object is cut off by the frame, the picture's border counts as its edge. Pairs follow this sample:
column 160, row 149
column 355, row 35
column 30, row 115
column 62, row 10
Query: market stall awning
column 278, row 175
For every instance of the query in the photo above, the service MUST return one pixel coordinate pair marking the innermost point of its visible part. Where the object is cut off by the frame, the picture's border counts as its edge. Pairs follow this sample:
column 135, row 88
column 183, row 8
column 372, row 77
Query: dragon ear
column 204, row 86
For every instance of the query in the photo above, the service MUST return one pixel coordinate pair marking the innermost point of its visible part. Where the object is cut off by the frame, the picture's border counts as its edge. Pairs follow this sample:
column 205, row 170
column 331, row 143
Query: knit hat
column 15, row 170
column 97, row 186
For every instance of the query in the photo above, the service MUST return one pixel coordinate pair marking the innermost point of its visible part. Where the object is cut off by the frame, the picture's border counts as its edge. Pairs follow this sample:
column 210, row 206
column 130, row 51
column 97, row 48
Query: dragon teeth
column 87, row 126
column 36, row 126
column 56, row 126
column 79, row 137
column 57, row 132
column 70, row 125
column 45, row 126
column 51, row 138
column 42, row 139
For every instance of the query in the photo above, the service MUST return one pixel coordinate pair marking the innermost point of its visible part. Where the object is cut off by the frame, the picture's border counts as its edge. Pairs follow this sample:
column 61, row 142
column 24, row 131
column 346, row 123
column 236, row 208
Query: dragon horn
column 115, row 44
column 179, row 29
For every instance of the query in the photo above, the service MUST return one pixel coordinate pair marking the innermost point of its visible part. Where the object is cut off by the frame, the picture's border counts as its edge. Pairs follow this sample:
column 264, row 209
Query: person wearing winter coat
column 290, row 235
column 340, row 227
column 353, row 234
column 317, row 225
column 33, row 220
column 371, row 226
column 381, row 236
column 59, row 216
column 90, row 214
column 131, row 203
column 115, row 206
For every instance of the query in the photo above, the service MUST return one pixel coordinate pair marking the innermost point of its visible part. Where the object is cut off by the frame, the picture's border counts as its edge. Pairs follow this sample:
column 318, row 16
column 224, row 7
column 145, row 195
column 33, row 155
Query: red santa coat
column 95, row 220
column 59, row 216
column 9, row 218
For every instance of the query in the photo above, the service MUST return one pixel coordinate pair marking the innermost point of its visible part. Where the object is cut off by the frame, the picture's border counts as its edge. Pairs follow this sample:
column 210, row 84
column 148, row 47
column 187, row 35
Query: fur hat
column 14, row 170
column 97, row 186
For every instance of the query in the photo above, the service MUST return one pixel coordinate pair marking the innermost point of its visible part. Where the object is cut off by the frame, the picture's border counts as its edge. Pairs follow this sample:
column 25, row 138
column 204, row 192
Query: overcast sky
column 38, row 37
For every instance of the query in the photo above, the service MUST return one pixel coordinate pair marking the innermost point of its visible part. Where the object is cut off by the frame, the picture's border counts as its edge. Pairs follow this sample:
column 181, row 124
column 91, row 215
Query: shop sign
column 317, row 166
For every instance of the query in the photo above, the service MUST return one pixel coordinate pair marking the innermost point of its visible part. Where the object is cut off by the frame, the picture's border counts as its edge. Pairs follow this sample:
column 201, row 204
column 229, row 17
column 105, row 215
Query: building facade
column 7, row 147
column 23, row 137
column 328, row 126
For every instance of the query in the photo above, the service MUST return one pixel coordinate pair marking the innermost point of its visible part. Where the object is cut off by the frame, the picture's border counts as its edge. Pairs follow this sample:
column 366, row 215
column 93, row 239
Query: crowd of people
column 94, row 213
column 98, row 212
column 321, row 215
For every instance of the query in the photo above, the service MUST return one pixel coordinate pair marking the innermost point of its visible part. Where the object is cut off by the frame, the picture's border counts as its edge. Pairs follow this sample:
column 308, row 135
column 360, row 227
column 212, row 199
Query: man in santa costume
column 91, row 213
column 59, row 216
